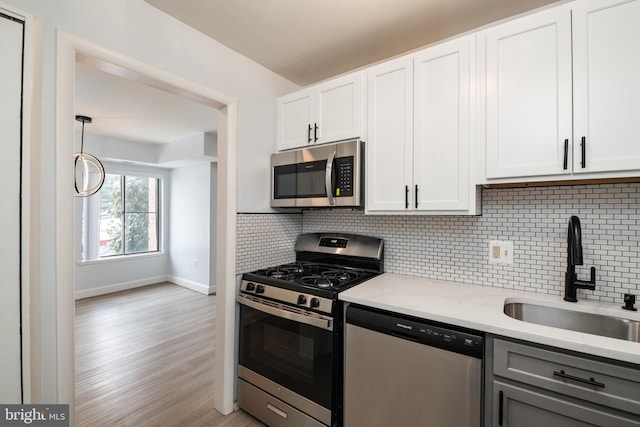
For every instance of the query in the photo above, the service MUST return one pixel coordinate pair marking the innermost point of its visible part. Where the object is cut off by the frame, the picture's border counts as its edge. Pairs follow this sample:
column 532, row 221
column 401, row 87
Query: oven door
column 290, row 349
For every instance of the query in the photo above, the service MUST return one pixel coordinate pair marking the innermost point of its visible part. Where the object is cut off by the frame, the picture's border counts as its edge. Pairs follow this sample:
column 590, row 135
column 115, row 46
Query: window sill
column 120, row 258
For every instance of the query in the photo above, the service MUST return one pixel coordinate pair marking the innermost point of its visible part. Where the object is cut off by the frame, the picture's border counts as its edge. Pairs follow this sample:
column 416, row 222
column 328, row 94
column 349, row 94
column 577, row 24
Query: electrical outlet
column 195, row 262
column 500, row 252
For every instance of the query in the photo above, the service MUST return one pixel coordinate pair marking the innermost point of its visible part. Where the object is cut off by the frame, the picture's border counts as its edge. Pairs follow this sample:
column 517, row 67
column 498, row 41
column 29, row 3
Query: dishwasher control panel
column 447, row 337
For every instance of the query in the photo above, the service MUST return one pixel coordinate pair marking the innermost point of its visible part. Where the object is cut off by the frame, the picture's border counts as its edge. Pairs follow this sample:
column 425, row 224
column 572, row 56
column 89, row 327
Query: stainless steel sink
column 590, row 323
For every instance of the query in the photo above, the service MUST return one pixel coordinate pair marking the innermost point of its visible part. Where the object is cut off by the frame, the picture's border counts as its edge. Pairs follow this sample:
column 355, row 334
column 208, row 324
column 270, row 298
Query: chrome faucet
column 574, row 257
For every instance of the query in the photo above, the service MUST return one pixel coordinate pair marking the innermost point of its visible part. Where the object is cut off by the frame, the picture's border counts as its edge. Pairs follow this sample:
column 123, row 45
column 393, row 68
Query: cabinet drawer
column 603, row 383
column 522, row 407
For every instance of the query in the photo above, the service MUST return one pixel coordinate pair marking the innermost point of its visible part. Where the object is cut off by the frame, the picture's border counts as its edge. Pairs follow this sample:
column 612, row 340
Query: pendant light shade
column 88, row 170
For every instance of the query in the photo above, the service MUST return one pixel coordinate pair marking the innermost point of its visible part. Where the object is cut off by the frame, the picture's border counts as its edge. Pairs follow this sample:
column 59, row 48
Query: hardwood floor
column 145, row 357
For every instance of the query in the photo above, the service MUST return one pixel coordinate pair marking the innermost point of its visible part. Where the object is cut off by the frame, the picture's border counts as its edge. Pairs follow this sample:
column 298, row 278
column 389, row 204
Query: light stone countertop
column 481, row 308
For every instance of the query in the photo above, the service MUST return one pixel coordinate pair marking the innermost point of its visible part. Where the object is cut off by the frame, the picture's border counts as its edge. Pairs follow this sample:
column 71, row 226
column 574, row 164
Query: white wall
column 191, row 219
column 131, row 29
column 100, row 277
column 10, row 174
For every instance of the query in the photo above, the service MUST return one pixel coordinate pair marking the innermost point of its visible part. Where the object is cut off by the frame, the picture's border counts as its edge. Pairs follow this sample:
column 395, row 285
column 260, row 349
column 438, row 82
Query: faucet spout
column 574, row 257
column 574, row 241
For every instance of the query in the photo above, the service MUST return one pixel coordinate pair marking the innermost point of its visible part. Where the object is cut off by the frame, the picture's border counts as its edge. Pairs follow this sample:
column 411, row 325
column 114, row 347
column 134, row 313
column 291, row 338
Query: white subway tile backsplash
column 265, row 240
column 455, row 247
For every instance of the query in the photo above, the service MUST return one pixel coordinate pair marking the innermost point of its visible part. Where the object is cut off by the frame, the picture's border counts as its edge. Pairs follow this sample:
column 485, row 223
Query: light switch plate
column 501, row 252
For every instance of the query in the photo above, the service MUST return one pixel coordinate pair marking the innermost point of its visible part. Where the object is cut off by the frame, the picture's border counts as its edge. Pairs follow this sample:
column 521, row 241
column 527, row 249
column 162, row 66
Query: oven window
column 294, row 355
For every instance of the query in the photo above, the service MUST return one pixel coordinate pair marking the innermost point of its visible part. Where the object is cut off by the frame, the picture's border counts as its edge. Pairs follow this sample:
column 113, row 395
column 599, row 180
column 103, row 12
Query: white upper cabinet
column 295, row 117
column 561, row 91
column 528, row 95
column 606, row 82
column 441, row 144
column 419, row 129
column 328, row 112
column 390, row 136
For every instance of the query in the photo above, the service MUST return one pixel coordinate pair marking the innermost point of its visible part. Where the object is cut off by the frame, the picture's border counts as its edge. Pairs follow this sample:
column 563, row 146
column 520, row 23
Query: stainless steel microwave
column 330, row 175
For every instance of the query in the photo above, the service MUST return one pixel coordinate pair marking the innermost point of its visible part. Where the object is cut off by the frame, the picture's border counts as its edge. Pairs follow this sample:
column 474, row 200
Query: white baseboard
column 109, row 289
column 190, row 284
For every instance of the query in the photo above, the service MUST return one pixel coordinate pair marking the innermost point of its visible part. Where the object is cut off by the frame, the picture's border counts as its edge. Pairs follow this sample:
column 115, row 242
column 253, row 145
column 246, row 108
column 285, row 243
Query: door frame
column 67, row 48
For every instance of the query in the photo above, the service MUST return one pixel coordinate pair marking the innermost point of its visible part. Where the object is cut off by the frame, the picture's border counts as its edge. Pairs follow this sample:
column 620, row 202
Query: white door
column 528, row 95
column 441, row 126
column 10, row 142
column 295, row 120
column 339, row 109
column 606, row 48
column 390, row 136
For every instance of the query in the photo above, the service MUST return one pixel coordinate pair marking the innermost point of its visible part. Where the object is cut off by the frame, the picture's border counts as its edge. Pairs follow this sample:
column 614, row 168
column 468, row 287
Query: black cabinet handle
column 416, row 200
column 309, row 134
column 584, row 152
column 500, row 407
column 315, row 131
column 566, row 154
column 590, row 381
column 406, row 197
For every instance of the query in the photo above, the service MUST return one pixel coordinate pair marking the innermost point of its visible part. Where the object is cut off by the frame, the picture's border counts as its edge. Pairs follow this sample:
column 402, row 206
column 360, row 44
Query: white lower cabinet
column 419, row 135
column 535, row 386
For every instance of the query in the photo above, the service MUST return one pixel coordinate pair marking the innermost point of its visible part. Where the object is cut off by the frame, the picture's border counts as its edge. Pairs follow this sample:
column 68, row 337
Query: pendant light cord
column 82, row 139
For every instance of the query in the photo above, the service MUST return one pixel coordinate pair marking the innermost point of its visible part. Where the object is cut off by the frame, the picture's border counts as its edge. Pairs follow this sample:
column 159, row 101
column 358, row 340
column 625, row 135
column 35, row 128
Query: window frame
column 90, row 230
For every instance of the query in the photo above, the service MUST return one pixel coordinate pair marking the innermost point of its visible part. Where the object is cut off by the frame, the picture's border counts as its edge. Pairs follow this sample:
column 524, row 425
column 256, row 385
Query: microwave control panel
column 344, row 177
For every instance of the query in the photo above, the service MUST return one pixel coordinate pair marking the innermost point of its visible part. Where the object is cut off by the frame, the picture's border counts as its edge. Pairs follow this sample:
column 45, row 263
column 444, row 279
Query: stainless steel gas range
column 290, row 362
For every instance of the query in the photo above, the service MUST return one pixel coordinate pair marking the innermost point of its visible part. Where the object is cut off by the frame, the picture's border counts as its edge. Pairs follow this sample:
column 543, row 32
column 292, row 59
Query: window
column 123, row 217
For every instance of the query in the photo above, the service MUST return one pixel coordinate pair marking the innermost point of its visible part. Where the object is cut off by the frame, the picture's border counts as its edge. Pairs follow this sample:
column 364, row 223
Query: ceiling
column 123, row 106
column 307, row 41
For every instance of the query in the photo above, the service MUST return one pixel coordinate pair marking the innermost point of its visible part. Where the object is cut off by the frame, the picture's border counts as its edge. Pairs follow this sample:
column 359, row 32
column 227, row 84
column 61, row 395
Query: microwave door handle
column 327, row 178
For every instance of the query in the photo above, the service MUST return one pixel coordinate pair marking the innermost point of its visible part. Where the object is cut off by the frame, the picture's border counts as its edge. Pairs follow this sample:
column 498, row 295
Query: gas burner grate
column 344, row 276
column 319, row 281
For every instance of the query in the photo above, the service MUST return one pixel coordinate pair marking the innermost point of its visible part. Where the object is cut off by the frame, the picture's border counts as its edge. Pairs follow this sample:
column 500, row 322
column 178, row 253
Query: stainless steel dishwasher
column 406, row 372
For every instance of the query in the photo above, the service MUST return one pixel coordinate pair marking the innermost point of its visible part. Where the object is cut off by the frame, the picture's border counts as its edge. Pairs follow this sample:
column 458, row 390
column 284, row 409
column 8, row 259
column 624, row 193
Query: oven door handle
column 318, row 322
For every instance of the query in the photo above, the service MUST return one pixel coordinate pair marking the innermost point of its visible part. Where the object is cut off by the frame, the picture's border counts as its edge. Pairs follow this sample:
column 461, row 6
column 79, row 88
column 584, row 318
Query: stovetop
column 313, row 275
column 326, row 264
column 303, row 284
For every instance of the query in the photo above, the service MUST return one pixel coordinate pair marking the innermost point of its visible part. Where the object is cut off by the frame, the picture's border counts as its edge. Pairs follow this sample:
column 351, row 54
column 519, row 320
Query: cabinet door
column 390, row 136
column 521, row 407
column 441, row 126
column 606, row 48
column 339, row 109
column 295, row 120
column 528, row 95
column 10, row 119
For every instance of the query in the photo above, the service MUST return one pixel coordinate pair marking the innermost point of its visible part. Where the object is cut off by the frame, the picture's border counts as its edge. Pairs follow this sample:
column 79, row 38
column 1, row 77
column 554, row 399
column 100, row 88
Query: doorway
column 68, row 48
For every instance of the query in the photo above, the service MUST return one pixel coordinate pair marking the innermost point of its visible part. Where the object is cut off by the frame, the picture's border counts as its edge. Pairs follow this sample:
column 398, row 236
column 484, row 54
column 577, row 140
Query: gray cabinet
column 534, row 386
column 520, row 406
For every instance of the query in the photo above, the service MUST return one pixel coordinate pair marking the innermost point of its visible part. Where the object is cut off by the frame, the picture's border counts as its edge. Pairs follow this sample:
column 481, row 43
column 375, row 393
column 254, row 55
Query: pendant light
column 85, row 165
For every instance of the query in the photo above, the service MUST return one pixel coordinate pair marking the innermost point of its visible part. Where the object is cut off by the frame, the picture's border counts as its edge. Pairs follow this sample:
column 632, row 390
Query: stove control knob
column 315, row 302
column 259, row 289
column 302, row 300
column 251, row 287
